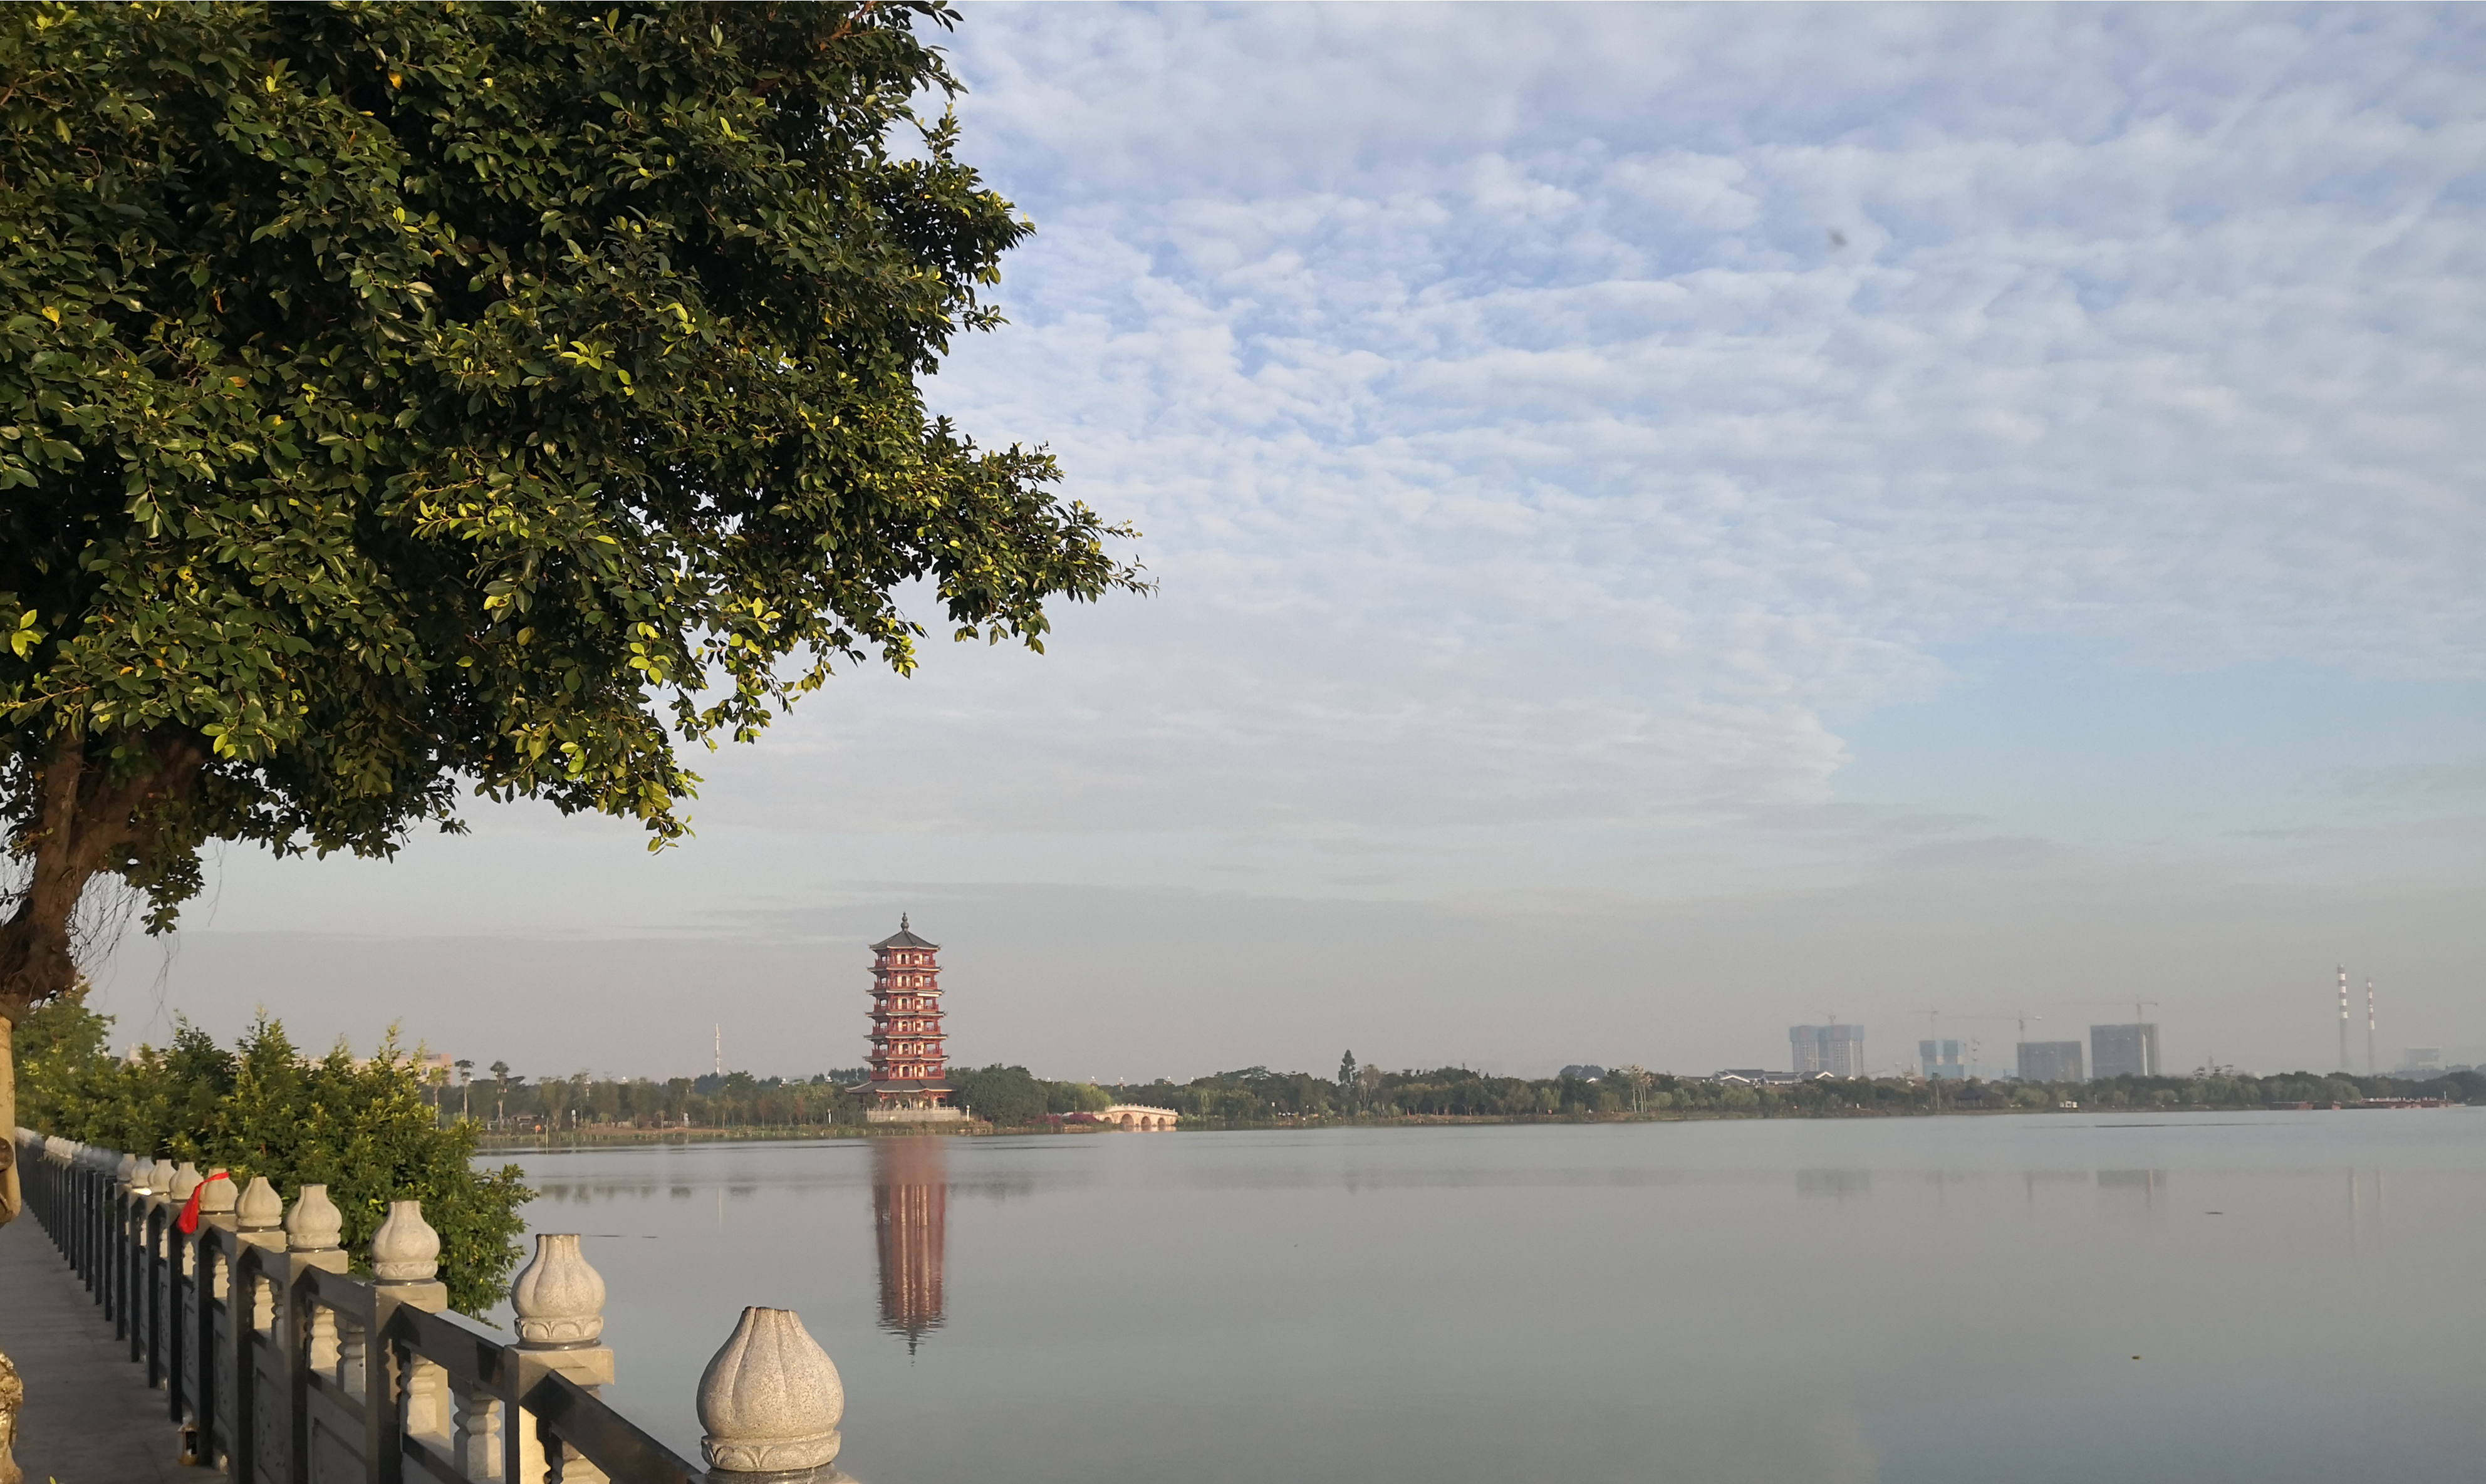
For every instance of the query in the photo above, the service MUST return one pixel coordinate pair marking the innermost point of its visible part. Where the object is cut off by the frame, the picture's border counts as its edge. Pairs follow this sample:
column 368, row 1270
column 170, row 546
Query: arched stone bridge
column 1134, row 1117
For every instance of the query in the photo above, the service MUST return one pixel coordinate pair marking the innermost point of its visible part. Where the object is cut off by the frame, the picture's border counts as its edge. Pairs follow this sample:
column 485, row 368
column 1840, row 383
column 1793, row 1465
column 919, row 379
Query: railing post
column 125, row 1181
column 214, row 1287
column 405, row 1256
column 250, row 1315
column 312, row 1230
column 558, row 1300
column 154, row 1221
column 770, row 1400
column 180, row 1296
column 128, row 1188
column 81, row 1239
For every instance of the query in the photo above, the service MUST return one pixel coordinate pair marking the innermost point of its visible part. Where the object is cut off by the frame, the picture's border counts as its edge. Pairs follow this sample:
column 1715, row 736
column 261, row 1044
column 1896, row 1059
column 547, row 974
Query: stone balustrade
column 278, row 1365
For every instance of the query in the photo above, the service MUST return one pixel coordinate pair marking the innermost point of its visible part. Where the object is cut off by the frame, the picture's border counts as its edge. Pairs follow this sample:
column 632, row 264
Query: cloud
column 1512, row 443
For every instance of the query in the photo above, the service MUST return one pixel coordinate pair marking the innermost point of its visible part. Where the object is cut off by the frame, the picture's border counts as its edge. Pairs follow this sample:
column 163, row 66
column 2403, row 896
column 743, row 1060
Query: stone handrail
column 279, row 1365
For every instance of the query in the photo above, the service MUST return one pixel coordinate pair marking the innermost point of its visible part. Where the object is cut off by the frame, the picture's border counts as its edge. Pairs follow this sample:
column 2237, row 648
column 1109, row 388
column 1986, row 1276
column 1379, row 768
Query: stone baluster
column 312, row 1230
column 217, row 1199
column 258, row 1218
column 160, row 1187
column 185, row 1180
column 770, row 1400
column 558, row 1300
column 405, row 1260
column 158, row 1177
column 258, row 1214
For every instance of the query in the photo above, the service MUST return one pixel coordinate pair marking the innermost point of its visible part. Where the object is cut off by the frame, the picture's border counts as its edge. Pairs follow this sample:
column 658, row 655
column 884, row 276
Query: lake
column 2263, row 1297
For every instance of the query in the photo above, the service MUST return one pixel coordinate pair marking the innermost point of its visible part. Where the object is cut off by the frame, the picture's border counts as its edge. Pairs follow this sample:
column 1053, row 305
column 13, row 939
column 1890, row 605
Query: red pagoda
column 909, row 1064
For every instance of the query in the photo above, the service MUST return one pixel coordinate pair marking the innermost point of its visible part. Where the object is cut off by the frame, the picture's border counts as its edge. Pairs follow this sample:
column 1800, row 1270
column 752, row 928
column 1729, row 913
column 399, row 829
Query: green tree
column 399, row 401
column 1003, row 1095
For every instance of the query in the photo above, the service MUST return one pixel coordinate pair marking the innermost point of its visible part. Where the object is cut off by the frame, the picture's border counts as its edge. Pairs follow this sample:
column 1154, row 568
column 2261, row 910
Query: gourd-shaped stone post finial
column 405, row 1249
column 559, row 1299
column 159, row 1176
column 315, row 1224
column 260, row 1209
column 217, row 1197
column 127, row 1171
column 770, row 1400
column 185, row 1179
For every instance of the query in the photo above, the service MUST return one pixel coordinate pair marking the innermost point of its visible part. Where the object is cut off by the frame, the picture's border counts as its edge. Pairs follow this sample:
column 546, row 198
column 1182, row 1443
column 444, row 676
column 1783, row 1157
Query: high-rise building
column 2051, row 1061
column 1941, row 1059
column 2125, row 1051
column 1833, row 1050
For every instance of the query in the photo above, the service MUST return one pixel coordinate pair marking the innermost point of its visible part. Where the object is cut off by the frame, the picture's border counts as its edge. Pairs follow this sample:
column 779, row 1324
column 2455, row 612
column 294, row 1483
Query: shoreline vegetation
column 624, row 1136
column 406, row 1119
column 1009, row 1100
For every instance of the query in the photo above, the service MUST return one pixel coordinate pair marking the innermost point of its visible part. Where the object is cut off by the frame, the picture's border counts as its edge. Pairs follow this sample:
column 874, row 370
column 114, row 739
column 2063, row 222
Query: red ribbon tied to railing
column 190, row 1208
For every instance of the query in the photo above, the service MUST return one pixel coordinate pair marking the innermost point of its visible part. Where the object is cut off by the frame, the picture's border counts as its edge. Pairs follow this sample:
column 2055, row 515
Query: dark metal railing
column 281, row 1369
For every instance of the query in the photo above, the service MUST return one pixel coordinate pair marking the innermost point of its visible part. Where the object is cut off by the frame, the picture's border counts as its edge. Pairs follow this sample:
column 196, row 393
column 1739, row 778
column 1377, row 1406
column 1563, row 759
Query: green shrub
column 262, row 1109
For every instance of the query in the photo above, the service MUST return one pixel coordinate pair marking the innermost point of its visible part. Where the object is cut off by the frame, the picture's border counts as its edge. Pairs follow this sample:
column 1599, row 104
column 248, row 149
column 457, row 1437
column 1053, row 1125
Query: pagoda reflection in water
column 910, row 1201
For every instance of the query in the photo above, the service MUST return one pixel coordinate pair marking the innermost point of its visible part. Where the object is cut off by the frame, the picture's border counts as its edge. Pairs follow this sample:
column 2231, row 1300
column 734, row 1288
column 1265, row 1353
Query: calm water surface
column 2263, row 1297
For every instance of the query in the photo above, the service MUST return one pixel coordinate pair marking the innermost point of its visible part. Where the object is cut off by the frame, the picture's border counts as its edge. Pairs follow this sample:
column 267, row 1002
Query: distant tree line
column 500, row 1100
column 1256, row 1095
column 503, row 1100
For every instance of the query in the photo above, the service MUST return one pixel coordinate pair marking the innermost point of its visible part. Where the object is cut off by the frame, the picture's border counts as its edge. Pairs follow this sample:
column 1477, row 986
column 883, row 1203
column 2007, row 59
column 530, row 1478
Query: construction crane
column 2138, row 1006
column 2020, row 1018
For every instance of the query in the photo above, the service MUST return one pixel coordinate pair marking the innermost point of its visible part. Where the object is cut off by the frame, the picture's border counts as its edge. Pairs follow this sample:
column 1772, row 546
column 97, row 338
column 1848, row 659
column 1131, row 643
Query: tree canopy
column 403, row 402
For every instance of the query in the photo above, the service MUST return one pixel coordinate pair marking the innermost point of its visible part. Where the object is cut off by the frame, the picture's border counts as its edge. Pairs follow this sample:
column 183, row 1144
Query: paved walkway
column 90, row 1418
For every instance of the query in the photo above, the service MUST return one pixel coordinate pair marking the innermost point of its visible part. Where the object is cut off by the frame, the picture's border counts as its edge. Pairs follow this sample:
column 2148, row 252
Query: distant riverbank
column 615, row 1136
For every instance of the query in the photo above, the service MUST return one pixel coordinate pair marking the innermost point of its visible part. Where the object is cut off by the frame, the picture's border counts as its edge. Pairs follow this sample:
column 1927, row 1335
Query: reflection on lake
column 910, row 1205
column 2267, row 1297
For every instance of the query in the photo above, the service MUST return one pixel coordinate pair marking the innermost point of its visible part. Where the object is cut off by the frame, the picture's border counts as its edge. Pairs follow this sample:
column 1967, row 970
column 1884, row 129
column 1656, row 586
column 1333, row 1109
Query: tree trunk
column 86, row 822
column 11, row 1195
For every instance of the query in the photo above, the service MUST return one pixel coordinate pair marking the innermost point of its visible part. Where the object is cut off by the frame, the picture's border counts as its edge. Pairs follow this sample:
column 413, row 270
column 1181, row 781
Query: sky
column 1670, row 523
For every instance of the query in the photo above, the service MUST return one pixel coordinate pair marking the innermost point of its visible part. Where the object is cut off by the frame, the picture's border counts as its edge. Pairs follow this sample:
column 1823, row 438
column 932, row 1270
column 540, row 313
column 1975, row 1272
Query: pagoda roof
column 904, row 938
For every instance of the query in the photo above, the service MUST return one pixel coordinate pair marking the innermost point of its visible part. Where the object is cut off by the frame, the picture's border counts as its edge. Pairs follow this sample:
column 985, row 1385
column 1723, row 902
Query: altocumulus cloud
column 1544, row 415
